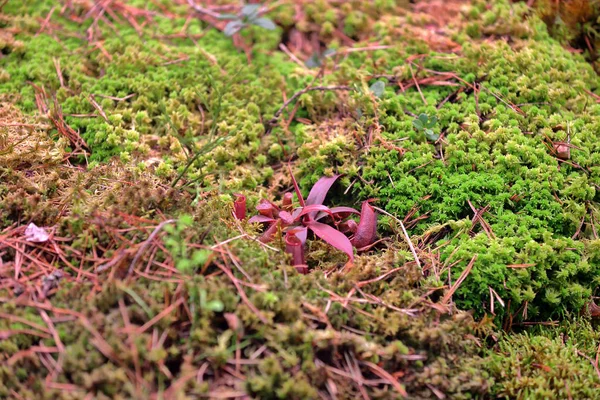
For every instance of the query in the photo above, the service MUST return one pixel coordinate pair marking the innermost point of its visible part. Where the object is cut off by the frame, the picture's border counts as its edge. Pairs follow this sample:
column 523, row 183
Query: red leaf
column 295, row 247
column 345, row 211
column 332, row 236
column 239, row 206
column 269, row 234
column 296, row 188
column 266, row 208
column 349, row 226
column 313, row 209
column 286, row 218
column 261, row 218
column 286, row 203
column 366, row 233
column 301, row 232
column 319, row 190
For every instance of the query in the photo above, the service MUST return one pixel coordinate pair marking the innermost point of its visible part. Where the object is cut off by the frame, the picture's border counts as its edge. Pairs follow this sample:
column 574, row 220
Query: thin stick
column 145, row 245
column 203, row 10
column 291, row 55
column 462, row 277
column 410, row 244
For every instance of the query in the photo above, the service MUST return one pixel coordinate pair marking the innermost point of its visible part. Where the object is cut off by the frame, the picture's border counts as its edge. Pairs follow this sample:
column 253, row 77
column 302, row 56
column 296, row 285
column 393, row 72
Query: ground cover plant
column 283, row 199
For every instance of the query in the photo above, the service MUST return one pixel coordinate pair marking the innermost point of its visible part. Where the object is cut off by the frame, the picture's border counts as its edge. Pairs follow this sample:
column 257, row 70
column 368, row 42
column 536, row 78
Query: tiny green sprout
column 378, row 89
column 424, row 123
column 213, row 305
column 317, row 58
column 249, row 15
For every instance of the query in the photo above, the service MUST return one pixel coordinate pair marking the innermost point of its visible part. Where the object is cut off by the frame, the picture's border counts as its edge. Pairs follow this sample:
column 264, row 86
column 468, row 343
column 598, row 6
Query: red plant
column 297, row 222
column 239, row 206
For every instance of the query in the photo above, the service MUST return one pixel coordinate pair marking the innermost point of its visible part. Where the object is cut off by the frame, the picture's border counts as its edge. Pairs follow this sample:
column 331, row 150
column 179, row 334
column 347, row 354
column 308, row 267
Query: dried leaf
column 35, row 234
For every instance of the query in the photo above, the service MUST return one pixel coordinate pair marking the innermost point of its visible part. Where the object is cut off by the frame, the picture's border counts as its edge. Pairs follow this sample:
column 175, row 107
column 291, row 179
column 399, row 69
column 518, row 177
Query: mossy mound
column 267, row 331
column 126, row 127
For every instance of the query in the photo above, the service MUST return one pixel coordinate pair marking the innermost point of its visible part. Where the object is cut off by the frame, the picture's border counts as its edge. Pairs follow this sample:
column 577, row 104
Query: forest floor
column 299, row 199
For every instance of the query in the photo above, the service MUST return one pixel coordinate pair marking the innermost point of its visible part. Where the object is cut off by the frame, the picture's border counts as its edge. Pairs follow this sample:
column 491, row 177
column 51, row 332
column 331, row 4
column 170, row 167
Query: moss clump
column 496, row 155
column 551, row 362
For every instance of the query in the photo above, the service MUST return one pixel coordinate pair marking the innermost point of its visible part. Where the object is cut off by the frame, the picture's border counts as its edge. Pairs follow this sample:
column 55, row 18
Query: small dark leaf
column 378, row 88
column 431, row 136
column 233, row 27
column 423, row 118
column 250, row 10
column 418, row 124
column 313, row 61
column 264, row 22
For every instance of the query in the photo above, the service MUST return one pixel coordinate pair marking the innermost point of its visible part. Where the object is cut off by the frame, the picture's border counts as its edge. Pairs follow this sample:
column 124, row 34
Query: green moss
column 172, row 96
column 550, row 363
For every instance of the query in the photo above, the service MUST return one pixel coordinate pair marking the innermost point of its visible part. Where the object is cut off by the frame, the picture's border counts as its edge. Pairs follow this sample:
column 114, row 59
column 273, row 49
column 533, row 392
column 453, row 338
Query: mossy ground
column 126, row 128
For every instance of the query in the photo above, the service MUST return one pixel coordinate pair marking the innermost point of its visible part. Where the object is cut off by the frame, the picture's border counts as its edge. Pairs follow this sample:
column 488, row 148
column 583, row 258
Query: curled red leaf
column 269, row 234
column 295, row 247
column 286, row 203
column 266, row 208
column 366, row 232
column 349, row 226
column 239, row 206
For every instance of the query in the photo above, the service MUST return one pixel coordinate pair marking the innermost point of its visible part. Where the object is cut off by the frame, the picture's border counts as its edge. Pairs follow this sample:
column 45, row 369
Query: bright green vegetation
column 497, row 184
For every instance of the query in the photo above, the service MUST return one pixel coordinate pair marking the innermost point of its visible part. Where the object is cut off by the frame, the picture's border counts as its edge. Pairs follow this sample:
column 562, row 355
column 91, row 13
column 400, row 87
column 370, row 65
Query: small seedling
column 213, row 305
column 249, row 15
column 317, row 58
column 425, row 123
column 378, row 89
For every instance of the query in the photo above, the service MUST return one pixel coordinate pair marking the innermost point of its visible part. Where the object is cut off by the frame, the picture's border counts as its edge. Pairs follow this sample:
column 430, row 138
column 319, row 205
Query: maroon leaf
column 266, row 208
column 319, row 190
column 349, row 226
column 239, row 206
column 269, row 234
column 344, row 211
column 332, row 236
column 296, row 188
column 295, row 247
column 312, row 210
column 261, row 218
column 286, row 203
column 286, row 218
column 301, row 232
column 366, row 232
